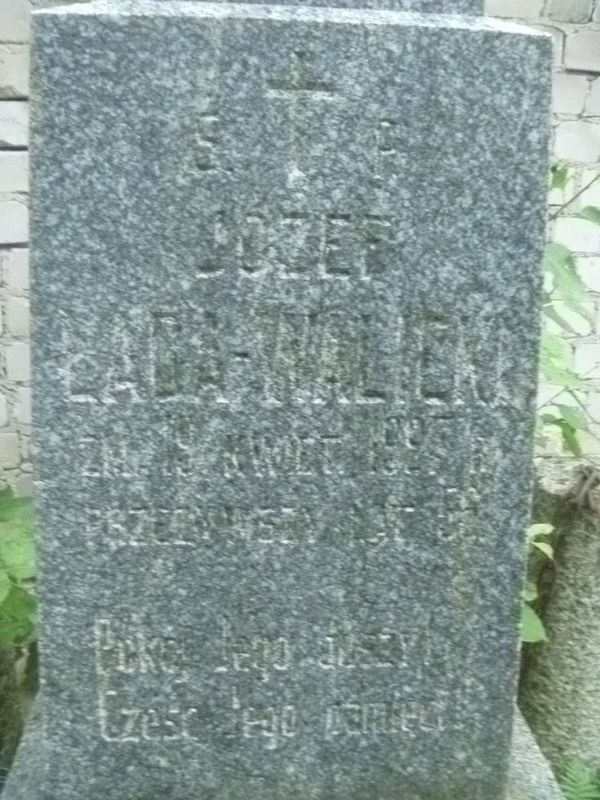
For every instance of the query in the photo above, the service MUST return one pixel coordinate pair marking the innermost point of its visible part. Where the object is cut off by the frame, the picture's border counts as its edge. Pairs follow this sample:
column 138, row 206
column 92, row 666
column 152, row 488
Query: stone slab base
column 530, row 775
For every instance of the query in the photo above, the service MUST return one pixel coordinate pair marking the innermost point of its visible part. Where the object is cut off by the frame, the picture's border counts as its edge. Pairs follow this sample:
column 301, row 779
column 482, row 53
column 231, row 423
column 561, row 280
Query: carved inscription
column 251, row 720
column 298, row 245
column 128, row 652
column 297, row 90
column 253, row 654
column 206, row 136
column 281, row 357
column 370, row 444
column 131, row 651
column 121, row 721
column 295, row 358
column 386, row 150
column 388, row 524
column 193, row 526
column 395, row 717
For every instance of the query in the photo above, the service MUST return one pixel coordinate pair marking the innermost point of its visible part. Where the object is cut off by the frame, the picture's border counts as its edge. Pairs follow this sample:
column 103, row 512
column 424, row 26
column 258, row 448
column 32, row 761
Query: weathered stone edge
column 530, row 775
column 26, row 778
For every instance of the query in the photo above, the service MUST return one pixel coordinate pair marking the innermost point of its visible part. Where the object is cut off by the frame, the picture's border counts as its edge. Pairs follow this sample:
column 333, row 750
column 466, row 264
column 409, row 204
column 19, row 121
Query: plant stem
column 575, row 196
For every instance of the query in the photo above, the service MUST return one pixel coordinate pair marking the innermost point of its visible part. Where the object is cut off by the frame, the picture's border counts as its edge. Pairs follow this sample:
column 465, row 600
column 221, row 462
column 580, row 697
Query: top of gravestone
column 461, row 7
column 471, row 7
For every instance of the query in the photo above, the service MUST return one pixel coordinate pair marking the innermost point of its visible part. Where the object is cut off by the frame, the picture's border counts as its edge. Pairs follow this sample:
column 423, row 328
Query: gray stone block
column 286, row 266
column 530, row 775
column 417, row 6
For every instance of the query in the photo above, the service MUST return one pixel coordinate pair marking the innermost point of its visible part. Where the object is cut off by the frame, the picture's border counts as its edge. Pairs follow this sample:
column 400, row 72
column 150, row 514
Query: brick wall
column 575, row 26
column 14, row 278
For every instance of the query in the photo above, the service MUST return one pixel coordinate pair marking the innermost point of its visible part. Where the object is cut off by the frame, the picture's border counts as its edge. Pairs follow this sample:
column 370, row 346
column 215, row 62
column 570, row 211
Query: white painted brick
column 587, row 360
column 558, row 40
column 569, row 10
column 593, row 407
column 3, row 411
column 14, row 70
column 14, row 20
column 546, row 393
column 9, row 451
column 14, row 222
column 519, row 9
column 558, row 197
column 15, row 269
column 18, row 362
column 25, row 450
column 14, row 123
column 582, row 51
column 23, row 485
column 581, row 325
column 578, row 140
column 590, row 443
column 14, row 171
column 592, row 107
column 570, row 92
column 24, row 407
column 589, row 270
column 17, row 317
column 578, row 234
column 591, row 196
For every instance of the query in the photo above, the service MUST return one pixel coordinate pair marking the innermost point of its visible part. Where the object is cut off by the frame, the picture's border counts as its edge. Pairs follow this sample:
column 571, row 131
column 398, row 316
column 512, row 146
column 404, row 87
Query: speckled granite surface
column 530, row 775
column 286, row 276
column 421, row 6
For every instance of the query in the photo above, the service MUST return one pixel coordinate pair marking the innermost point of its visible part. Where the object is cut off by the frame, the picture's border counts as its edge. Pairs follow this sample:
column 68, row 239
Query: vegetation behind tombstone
column 560, row 687
column 18, row 620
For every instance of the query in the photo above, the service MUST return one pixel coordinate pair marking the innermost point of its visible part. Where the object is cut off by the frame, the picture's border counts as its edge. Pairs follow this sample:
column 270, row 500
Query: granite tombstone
column 286, row 291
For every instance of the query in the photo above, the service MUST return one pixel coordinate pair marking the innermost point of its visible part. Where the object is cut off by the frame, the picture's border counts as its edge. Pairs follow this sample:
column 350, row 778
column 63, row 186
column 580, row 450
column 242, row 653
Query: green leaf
column 5, row 585
column 556, row 254
column 539, row 529
column 544, row 548
column 14, row 508
column 551, row 312
column 556, row 374
column 591, row 213
column 555, row 363
column 578, row 781
column 532, row 627
column 17, row 617
column 559, row 261
column 570, row 442
column 574, row 417
column 530, row 592
column 559, row 175
column 17, row 553
column 557, row 349
column 569, row 439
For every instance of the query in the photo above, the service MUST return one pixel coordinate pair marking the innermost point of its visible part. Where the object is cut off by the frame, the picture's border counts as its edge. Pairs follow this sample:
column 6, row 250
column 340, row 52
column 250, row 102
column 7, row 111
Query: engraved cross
column 297, row 90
